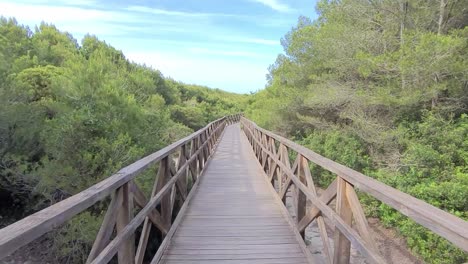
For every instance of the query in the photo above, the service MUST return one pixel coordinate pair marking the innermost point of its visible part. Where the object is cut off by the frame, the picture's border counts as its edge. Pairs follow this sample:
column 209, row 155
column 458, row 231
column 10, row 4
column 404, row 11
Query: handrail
column 189, row 156
column 276, row 164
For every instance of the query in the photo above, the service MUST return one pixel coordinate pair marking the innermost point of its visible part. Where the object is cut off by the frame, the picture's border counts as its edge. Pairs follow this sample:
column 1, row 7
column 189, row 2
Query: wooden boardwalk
column 235, row 216
column 232, row 214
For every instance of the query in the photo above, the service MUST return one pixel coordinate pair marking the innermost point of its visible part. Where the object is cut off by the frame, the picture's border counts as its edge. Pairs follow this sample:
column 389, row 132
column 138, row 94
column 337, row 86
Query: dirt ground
column 392, row 246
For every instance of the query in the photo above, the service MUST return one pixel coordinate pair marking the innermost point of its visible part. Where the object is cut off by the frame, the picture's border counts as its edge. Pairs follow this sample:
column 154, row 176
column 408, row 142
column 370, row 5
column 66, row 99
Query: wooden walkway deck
column 232, row 214
column 235, row 216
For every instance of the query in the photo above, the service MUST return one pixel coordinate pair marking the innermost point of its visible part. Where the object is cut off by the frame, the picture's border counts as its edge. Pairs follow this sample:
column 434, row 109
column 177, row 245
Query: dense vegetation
column 70, row 115
column 381, row 86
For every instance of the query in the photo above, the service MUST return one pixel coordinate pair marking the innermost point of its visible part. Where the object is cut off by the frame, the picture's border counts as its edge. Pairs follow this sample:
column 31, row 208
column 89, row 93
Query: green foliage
column 381, row 89
column 71, row 115
column 336, row 145
column 76, row 238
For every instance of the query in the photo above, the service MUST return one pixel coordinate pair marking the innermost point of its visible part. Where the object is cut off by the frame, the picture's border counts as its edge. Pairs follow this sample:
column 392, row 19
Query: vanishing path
column 235, row 216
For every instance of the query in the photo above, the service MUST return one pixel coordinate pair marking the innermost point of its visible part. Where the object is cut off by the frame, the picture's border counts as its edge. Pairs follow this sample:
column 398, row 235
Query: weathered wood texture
column 190, row 155
column 274, row 153
column 232, row 213
column 234, row 216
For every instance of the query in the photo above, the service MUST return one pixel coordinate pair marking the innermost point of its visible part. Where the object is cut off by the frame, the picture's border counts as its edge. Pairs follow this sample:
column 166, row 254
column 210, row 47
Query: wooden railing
column 273, row 153
column 178, row 166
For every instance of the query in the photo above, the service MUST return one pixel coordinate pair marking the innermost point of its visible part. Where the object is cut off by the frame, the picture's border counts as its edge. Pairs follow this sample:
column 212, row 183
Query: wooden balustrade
column 177, row 165
column 273, row 153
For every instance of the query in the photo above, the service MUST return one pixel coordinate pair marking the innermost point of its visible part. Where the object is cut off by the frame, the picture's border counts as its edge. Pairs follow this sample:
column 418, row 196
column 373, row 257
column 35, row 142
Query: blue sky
column 226, row 44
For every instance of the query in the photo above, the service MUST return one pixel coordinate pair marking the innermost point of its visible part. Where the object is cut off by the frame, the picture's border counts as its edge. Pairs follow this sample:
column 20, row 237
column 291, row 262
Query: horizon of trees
column 378, row 86
column 72, row 114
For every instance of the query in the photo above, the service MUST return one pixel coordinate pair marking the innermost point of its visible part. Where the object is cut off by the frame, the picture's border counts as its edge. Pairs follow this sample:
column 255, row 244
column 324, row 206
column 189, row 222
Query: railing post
column 343, row 209
column 126, row 251
column 284, row 157
column 193, row 164
column 182, row 160
column 272, row 168
column 200, row 154
column 301, row 198
column 163, row 177
column 205, row 147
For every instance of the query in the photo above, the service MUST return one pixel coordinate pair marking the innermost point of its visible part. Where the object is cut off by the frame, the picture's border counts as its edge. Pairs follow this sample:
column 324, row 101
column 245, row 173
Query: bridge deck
column 235, row 216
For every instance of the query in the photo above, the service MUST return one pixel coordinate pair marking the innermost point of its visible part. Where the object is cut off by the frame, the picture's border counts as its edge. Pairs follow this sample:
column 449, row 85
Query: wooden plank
column 107, row 254
column 154, row 216
column 178, row 240
column 193, row 165
column 301, row 198
column 327, row 249
column 327, row 196
column 215, row 246
column 183, row 180
column 26, row 230
column 179, row 217
column 107, row 226
column 440, row 222
column 163, row 177
column 124, row 214
column 177, row 221
column 249, row 257
column 308, row 256
column 343, row 209
column 360, row 218
column 345, row 229
column 235, row 212
column 228, row 261
column 200, row 154
column 288, row 181
column 265, row 250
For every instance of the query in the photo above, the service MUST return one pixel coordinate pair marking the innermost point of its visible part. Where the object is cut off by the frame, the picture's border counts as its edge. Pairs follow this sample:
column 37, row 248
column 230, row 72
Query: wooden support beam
column 360, row 218
column 164, row 175
column 200, row 155
column 26, row 230
column 320, row 221
column 193, row 164
column 126, row 251
column 107, row 226
column 338, row 221
column 182, row 183
column 284, row 158
column 440, row 222
column 301, row 199
column 287, row 182
column 158, row 185
column 327, row 196
column 155, row 217
column 343, row 209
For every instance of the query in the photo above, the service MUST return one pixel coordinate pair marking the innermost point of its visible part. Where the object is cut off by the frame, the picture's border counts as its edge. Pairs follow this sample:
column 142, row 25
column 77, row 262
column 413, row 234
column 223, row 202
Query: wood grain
column 438, row 221
column 234, row 215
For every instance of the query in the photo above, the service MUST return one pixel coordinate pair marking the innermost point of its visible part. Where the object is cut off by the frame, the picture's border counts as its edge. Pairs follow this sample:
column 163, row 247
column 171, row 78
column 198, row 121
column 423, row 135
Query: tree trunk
column 403, row 11
column 442, row 17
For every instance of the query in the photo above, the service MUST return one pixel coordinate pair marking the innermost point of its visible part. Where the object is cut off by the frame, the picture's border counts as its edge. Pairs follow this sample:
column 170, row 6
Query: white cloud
column 216, row 64
column 275, row 5
column 157, row 11
column 60, row 2
column 236, row 76
column 60, row 14
column 233, row 53
column 253, row 40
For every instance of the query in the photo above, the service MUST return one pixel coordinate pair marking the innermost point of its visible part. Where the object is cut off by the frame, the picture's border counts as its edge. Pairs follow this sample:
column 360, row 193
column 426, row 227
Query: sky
column 225, row 44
